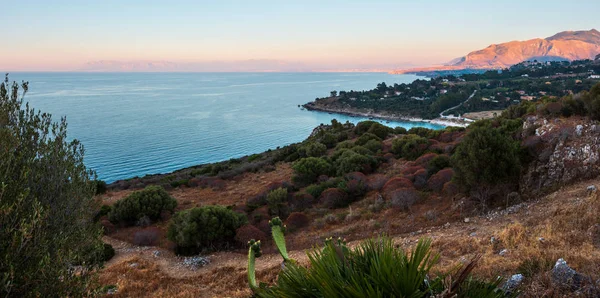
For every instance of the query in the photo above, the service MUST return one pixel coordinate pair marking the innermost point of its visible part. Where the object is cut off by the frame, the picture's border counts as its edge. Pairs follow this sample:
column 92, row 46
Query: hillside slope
column 567, row 45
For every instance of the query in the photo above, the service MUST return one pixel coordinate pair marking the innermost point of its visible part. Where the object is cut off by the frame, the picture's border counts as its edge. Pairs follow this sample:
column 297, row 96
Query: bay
column 133, row 124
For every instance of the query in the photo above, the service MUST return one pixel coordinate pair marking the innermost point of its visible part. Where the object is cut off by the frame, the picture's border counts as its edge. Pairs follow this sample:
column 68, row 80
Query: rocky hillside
column 567, row 45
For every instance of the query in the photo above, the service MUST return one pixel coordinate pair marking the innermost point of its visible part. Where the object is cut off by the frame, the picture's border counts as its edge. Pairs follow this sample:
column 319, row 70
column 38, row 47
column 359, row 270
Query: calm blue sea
column 133, row 124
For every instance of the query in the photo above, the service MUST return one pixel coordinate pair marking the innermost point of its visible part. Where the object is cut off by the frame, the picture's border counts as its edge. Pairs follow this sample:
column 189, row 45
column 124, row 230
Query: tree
column 207, row 227
column 46, row 204
column 484, row 159
column 307, row 170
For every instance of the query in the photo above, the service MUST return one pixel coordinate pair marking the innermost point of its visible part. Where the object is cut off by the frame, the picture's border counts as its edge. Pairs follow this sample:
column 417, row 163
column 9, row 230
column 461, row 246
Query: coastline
column 384, row 116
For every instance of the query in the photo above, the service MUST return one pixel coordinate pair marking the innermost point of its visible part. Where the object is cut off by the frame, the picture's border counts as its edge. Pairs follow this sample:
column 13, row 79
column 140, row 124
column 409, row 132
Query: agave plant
column 375, row 268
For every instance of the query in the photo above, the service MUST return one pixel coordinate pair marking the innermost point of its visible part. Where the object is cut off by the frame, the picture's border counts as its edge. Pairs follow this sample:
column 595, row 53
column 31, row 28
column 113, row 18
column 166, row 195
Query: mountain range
column 566, row 45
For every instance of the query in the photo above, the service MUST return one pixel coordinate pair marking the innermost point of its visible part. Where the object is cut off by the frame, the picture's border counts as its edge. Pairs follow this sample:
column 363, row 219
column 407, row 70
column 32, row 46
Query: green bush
column 315, row 190
column 485, row 158
column 380, row 130
column 410, row 146
column 254, row 157
column 437, row 163
column 424, row 132
column 100, row 187
column 374, row 146
column 363, row 127
column 149, row 202
column 329, row 140
column 307, row 170
column 314, row 149
column 104, row 210
column 204, row 228
column 351, row 161
column 47, row 203
column 400, row 130
column 365, row 138
column 275, row 199
column 344, row 145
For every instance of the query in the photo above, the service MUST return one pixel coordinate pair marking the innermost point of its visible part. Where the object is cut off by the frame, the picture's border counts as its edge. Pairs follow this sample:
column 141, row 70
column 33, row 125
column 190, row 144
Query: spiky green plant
column 278, row 230
column 374, row 269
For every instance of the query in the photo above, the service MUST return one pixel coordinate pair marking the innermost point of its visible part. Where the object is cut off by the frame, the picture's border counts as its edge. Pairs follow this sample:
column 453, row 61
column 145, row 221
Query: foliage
column 46, row 204
column 149, row 202
column 363, row 139
column 486, row 157
column 104, row 210
column 350, row 161
column 312, row 149
column 100, row 187
column 307, row 170
column 297, row 220
column 275, row 199
column 334, row 198
column 315, row 190
column 206, row 227
column 400, row 130
column 424, row 132
column 246, row 233
column 373, row 269
column 437, row 163
column 373, row 146
column 409, row 146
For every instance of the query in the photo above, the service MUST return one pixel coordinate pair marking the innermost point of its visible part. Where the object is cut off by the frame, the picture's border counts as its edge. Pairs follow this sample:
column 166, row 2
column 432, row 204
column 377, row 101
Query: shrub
column 246, row 233
column 206, row 227
column 344, row 145
column 437, row 163
column 147, row 237
column 47, row 203
column 297, row 220
column 420, row 178
column 380, row 130
column 400, row 130
column 403, row 198
column 301, row 201
column 329, row 140
column 363, row 126
column 108, row 252
column 275, row 199
column 100, row 187
column 366, row 138
column 394, row 184
column 334, row 198
column 315, row 190
column 351, row 161
column 486, row 157
column 376, row 181
column 424, row 132
column 149, row 202
column 314, row 149
column 409, row 146
column 374, row 146
column 104, row 210
column 437, row 181
column 356, row 189
column 424, row 159
column 450, row 189
column 307, row 170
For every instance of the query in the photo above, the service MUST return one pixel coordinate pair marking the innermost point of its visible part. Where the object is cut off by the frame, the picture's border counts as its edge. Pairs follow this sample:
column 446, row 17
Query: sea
column 133, row 124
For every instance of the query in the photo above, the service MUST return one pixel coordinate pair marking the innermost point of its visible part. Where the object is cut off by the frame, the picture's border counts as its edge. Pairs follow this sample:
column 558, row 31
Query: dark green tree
column 204, row 228
column 485, row 159
column 46, row 204
column 307, row 170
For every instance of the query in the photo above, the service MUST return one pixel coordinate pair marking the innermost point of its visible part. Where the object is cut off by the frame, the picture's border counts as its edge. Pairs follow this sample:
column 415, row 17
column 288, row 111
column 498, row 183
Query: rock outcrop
column 563, row 152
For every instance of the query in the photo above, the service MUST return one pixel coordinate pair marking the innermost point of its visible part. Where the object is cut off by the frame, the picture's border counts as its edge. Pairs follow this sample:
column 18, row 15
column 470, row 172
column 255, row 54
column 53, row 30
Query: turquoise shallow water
column 133, row 124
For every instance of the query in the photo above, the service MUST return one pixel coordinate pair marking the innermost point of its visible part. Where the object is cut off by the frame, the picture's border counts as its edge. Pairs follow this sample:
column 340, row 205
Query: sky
column 61, row 35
